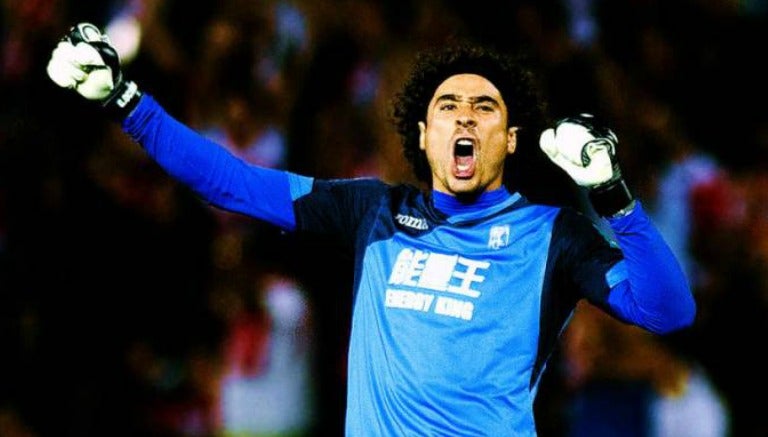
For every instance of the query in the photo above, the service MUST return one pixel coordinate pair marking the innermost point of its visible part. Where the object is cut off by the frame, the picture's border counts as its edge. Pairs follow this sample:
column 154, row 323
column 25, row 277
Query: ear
column 511, row 139
column 422, row 136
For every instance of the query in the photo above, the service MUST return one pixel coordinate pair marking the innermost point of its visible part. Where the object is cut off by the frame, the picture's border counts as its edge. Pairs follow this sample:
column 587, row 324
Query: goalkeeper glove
column 85, row 61
column 587, row 152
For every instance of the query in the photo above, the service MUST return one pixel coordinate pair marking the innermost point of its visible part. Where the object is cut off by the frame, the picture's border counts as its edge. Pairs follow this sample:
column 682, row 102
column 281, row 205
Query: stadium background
column 123, row 298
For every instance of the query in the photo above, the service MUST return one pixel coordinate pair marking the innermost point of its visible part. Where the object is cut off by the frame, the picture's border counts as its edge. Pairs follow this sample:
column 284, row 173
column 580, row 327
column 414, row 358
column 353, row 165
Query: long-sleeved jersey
column 456, row 307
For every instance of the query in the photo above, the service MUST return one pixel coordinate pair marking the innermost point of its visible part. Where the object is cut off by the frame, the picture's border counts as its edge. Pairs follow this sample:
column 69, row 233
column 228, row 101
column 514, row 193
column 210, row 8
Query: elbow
column 690, row 312
column 682, row 316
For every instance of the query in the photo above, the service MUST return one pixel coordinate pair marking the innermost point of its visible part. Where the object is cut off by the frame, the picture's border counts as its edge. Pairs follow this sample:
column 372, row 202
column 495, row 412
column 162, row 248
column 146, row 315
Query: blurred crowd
column 129, row 307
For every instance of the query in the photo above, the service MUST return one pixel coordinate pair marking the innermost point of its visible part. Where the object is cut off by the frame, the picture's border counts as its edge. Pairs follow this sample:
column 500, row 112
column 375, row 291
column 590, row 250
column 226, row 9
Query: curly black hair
column 510, row 74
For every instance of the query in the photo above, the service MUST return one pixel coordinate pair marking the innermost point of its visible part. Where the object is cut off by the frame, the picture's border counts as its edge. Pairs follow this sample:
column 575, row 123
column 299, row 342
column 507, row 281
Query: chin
column 466, row 187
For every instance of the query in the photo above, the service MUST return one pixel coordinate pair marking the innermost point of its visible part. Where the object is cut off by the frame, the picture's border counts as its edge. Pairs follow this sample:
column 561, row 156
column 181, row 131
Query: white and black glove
column 85, row 61
column 587, row 152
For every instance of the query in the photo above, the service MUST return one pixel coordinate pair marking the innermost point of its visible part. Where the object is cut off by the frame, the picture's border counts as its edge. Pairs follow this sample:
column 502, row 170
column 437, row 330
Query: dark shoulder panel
column 579, row 255
column 584, row 254
column 337, row 206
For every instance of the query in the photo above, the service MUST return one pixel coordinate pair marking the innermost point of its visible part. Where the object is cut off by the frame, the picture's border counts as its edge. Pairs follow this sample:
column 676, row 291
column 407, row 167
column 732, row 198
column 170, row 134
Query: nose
column 465, row 120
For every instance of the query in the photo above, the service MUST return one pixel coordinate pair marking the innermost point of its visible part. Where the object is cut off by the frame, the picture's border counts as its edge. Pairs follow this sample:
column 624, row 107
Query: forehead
column 468, row 85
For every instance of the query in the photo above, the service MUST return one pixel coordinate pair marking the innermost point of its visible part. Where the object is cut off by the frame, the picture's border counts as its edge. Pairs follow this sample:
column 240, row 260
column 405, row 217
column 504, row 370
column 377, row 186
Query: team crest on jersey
column 498, row 237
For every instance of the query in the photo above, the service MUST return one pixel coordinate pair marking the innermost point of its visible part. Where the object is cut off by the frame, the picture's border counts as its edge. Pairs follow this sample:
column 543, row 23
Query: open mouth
column 464, row 158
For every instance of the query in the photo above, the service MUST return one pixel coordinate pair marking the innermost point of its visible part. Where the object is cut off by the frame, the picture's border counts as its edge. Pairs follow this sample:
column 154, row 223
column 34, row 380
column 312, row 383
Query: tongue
column 464, row 166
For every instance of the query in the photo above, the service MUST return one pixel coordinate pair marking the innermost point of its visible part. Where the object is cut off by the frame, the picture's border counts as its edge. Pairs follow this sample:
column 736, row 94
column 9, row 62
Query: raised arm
column 647, row 287
column 85, row 61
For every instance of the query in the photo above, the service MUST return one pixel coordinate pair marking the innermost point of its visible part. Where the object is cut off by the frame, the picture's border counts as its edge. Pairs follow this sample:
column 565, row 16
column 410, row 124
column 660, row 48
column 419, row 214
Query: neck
column 452, row 205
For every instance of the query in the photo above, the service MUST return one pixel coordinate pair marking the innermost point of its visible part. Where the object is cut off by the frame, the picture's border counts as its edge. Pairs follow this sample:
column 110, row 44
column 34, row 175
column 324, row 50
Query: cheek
column 437, row 136
column 433, row 153
column 438, row 128
column 497, row 153
column 499, row 139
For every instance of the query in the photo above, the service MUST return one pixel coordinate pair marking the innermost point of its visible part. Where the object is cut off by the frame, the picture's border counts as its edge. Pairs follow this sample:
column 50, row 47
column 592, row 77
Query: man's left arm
column 648, row 287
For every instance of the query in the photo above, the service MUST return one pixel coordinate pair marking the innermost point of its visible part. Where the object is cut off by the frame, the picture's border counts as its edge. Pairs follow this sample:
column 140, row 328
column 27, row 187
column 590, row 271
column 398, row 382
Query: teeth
column 464, row 142
column 462, row 167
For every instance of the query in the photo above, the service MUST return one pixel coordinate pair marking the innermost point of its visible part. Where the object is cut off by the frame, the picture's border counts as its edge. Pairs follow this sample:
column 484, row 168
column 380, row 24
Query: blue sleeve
column 648, row 287
column 211, row 171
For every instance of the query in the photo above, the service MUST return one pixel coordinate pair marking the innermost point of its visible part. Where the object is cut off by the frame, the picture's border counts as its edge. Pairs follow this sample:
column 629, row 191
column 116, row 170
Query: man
column 461, row 291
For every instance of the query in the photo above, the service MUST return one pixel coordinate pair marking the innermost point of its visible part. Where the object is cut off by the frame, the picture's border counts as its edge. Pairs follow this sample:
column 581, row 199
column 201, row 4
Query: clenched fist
column 85, row 61
column 587, row 152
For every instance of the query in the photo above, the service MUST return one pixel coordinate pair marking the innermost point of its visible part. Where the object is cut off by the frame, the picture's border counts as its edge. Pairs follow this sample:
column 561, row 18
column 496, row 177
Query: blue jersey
column 456, row 307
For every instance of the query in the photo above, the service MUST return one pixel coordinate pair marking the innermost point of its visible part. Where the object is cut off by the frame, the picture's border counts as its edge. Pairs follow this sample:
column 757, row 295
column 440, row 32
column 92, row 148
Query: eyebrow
column 478, row 99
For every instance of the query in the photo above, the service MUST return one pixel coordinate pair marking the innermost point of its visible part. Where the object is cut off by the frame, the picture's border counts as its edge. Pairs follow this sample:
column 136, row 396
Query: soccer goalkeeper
column 462, row 290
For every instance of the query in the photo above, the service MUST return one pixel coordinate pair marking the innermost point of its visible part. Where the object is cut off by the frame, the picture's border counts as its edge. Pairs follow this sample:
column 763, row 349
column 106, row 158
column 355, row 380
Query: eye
column 485, row 108
column 447, row 106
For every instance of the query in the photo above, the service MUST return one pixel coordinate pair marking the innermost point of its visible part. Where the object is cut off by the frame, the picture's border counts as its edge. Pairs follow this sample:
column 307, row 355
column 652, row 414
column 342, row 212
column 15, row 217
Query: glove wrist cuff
column 611, row 198
column 123, row 99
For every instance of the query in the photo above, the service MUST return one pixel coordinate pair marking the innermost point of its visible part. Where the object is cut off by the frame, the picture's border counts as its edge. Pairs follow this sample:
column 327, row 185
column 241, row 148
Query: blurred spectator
column 626, row 382
column 681, row 202
column 734, row 297
column 247, row 115
column 345, row 75
column 158, row 48
column 13, row 425
column 257, row 139
column 265, row 388
column 583, row 27
column 692, row 192
column 240, row 108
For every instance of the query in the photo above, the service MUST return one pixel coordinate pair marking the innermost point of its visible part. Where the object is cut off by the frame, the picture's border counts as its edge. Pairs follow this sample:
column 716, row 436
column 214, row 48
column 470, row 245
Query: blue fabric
column 457, row 307
column 215, row 174
column 452, row 206
column 656, row 293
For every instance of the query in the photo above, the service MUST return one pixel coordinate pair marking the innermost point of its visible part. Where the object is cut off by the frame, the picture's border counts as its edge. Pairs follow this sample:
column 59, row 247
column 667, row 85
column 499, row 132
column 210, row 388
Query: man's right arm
column 85, row 61
column 212, row 171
